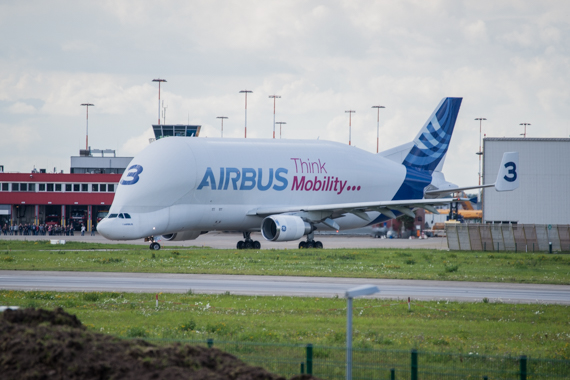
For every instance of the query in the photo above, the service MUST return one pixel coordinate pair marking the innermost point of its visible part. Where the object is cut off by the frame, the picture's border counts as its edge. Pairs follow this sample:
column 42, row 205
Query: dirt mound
column 42, row 344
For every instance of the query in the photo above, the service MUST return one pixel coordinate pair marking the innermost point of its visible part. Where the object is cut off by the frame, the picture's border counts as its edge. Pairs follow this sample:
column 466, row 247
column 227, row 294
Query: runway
column 282, row 286
column 226, row 240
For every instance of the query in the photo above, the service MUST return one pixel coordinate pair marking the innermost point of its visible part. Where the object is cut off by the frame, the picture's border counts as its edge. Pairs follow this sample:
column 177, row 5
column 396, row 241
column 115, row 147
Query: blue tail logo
column 430, row 145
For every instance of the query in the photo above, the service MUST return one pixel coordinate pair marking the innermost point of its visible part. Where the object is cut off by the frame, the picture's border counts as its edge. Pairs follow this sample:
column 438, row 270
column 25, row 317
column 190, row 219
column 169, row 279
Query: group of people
column 41, row 229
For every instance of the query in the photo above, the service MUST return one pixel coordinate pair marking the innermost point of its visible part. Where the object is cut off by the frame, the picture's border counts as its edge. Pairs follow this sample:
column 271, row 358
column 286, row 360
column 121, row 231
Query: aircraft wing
column 359, row 209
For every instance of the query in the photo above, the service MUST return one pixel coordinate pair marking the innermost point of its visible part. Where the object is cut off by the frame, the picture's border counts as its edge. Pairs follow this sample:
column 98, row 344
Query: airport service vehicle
column 179, row 188
column 101, row 215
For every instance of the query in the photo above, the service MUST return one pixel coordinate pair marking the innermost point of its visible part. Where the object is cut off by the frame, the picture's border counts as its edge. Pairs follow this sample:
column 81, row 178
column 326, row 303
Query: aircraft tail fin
column 427, row 151
column 507, row 178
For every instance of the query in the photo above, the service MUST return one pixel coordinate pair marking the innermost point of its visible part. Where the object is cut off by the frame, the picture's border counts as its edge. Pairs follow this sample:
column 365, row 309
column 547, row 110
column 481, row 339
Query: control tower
column 179, row 130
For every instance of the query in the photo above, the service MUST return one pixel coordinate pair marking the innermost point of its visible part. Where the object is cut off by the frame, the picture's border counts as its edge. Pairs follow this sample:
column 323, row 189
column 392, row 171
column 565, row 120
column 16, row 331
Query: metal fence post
column 392, row 374
column 309, row 359
column 550, row 247
column 210, row 342
column 523, row 367
column 302, row 368
column 414, row 365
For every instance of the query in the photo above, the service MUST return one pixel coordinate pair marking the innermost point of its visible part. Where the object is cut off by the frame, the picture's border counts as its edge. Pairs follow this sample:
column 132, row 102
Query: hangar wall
column 544, row 174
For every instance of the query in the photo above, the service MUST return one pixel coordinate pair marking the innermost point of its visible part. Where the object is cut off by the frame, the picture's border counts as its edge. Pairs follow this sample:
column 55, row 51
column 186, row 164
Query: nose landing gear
column 153, row 245
column 247, row 243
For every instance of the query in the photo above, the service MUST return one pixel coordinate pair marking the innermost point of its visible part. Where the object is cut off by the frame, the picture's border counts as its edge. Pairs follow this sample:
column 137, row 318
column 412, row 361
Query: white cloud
column 23, row 108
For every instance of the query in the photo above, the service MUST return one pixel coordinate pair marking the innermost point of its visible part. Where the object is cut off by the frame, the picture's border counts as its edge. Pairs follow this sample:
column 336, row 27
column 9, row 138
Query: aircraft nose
column 105, row 229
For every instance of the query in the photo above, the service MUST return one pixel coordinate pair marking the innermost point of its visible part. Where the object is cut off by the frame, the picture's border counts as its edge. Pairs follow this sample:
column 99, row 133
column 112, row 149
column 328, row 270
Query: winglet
column 508, row 176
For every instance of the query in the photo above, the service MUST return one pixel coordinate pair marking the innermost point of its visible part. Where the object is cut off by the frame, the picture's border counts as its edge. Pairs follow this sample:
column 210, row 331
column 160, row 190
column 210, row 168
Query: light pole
column 378, row 127
column 280, row 124
column 245, row 92
column 525, row 124
column 87, row 105
column 480, row 152
column 222, row 117
column 274, row 97
column 159, row 82
column 364, row 290
column 350, row 112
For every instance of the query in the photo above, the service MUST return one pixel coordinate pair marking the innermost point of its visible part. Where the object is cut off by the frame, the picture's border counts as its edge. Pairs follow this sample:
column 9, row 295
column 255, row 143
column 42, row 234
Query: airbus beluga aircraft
column 179, row 188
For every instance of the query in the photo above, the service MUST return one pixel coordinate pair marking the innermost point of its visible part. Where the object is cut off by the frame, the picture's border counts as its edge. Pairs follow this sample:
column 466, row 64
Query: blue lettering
column 512, row 171
column 221, row 179
column 248, row 176
column 281, row 179
column 260, row 177
column 208, row 180
column 235, row 180
column 134, row 176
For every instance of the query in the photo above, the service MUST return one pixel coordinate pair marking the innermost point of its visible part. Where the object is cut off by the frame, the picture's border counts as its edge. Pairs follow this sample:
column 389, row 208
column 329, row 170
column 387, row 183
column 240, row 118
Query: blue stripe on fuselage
column 412, row 188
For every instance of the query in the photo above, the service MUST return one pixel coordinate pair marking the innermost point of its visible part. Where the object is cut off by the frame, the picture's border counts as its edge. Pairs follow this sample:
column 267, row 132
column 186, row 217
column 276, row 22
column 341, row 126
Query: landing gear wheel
column 240, row 244
column 302, row 245
column 256, row 245
column 154, row 246
column 248, row 244
column 310, row 244
column 318, row 245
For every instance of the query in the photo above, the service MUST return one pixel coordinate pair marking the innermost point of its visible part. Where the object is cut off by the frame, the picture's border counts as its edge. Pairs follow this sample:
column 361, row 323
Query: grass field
column 366, row 263
column 483, row 328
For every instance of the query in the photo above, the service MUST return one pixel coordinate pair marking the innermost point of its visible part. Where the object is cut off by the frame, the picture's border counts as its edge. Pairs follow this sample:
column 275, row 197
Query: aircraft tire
column 239, row 244
column 247, row 245
column 318, row 245
column 154, row 246
column 256, row 245
column 302, row 245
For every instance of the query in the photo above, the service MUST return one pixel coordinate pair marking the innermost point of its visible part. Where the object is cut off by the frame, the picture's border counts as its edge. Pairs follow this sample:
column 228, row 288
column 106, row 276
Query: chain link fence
column 330, row 362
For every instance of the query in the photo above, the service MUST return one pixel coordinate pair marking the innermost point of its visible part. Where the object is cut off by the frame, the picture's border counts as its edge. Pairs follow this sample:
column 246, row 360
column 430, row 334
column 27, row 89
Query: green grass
column 422, row 264
column 481, row 328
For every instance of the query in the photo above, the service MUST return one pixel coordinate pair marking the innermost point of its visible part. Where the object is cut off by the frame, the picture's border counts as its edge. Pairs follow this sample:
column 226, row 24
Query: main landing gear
column 154, row 246
column 310, row 243
column 247, row 243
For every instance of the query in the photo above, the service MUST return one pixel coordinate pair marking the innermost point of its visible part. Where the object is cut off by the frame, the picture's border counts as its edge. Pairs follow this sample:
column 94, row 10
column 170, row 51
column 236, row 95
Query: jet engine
column 284, row 228
column 182, row 235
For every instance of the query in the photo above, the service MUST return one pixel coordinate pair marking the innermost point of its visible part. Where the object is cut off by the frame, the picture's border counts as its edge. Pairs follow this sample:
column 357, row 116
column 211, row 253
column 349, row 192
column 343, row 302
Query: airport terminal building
column 82, row 196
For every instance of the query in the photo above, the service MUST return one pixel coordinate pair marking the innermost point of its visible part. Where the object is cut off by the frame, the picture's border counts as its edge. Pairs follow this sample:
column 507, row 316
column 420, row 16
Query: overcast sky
column 509, row 60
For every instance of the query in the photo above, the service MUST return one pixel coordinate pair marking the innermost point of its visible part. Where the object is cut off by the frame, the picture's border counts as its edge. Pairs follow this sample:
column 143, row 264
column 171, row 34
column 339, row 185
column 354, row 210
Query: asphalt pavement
column 283, row 286
column 226, row 240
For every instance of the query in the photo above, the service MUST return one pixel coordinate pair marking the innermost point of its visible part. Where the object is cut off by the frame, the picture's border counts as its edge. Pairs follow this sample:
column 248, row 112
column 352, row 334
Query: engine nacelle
column 182, row 235
column 284, row 228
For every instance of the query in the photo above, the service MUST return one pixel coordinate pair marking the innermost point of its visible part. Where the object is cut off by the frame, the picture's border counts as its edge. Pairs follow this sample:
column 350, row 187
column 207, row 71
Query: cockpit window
column 121, row 216
column 127, row 216
column 112, row 216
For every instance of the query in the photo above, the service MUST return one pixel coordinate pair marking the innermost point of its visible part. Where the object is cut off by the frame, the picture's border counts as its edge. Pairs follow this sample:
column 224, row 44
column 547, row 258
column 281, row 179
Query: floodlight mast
column 378, row 127
column 159, row 82
column 245, row 92
column 222, row 117
column 525, row 124
column 280, row 124
column 87, row 105
column 480, row 152
column 364, row 290
column 350, row 112
column 274, row 97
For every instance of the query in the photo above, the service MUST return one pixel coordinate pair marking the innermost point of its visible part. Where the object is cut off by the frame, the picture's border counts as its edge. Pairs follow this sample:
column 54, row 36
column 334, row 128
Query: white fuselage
column 203, row 184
